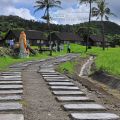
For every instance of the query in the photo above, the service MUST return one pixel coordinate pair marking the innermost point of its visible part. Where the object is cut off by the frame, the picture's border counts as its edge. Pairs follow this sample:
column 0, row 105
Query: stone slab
column 74, row 99
column 10, row 97
column 11, row 92
column 9, row 106
column 10, row 87
column 94, row 116
column 64, row 88
column 54, row 77
column 10, row 82
column 61, row 83
column 11, row 79
column 11, row 117
column 10, row 76
column 68, row 93
column 51, row 75
column 56, row 80
column 50, row 71
column 85, row 107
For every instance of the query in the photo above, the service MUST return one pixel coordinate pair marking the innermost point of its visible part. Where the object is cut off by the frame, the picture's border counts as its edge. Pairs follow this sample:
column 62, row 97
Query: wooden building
column 33, row 37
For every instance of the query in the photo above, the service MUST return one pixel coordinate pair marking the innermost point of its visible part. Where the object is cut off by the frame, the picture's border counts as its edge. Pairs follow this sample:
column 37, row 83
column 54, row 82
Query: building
column 33, row 37
column 65, row 37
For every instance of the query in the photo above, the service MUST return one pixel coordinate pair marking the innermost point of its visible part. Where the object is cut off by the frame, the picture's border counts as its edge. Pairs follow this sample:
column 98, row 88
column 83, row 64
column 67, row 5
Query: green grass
column 108, row 60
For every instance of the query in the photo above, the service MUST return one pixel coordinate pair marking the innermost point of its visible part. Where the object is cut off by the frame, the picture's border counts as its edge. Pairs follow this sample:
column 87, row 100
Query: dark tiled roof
column 30, row 34
column 65, row 36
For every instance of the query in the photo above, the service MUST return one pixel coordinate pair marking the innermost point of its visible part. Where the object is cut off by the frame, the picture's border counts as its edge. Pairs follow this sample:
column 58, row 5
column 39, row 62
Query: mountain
column 15, row 22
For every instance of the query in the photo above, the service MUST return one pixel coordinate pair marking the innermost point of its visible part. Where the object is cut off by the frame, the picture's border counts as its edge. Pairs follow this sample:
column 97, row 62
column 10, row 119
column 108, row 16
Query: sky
column 70, row 13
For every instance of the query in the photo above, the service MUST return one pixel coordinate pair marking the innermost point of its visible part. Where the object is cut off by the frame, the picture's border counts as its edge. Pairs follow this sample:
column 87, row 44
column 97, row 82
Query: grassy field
column 7, row 61
column 108, row 60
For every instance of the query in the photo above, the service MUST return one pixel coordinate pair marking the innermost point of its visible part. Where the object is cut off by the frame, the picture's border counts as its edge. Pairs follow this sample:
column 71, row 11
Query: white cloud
column 7, row 7
column 71, row 15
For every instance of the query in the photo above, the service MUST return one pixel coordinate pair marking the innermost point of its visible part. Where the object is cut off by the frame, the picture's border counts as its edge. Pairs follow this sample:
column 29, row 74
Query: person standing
column 68, row 48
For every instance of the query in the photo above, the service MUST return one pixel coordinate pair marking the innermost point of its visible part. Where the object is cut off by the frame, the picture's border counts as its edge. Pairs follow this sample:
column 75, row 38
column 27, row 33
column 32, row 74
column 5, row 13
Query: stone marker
column 61, row 83
column 11, row 92
column 11, row 117
column 68, row 93
column 94, row 116
column 57, row 80
column 10, row 97
column 64, row 88
column 81, row 107
column 10, row 82
column 10, row 87
column 74, row 99
column 9, row 106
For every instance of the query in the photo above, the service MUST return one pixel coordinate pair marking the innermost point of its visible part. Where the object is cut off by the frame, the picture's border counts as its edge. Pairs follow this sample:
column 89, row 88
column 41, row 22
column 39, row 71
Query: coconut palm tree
column 102, row 11
column 47, row 5
column 90, row 13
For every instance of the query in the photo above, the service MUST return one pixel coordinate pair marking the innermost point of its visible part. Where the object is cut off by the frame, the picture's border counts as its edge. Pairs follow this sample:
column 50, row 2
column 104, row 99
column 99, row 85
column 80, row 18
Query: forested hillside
column 15, row 22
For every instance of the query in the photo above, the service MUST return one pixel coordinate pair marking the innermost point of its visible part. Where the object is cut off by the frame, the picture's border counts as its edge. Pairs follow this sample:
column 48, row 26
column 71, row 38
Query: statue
column 24, row 53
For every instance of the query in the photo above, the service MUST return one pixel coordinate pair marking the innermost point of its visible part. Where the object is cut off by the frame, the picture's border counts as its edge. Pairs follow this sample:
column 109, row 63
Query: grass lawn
column 108, row 60
column 7, row 61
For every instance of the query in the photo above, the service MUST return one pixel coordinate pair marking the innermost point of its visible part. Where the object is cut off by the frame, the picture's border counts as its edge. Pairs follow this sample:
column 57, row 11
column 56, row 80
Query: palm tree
column 47, row 5
column 90, row 13
column 102, row 11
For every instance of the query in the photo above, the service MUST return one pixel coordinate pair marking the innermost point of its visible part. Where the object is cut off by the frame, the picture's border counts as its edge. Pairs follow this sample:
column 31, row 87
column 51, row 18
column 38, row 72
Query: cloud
column 7, row 7
column 71, row 15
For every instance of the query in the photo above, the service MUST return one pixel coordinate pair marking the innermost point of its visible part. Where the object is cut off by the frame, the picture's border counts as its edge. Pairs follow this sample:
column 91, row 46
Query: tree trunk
column 48, row 23
column 103, row 34
column 88, row 36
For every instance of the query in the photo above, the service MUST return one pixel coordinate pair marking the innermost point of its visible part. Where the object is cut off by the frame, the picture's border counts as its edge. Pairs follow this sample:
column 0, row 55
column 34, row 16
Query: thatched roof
column 65, row 36
column 30, row 34
column 97, row 38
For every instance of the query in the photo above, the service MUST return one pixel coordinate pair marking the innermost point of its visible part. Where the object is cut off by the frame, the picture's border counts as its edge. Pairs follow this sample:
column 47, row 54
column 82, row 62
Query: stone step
column 57, row 80
column 11, row 117
column 50, row 73
column 3, row 92
column 10, row 97
column 83, row 107
column 11, row 87
column 74, row 99
column 61, row 93
column 54, row 77
column 64, row 88
column 10, row 82
column 11, row 73
column 94, row 116
column 11, row 79
column 10, row 106
column 61, row 83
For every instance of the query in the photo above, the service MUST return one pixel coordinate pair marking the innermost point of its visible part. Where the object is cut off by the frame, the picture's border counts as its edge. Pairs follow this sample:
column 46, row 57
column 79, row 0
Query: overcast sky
column 71, row 12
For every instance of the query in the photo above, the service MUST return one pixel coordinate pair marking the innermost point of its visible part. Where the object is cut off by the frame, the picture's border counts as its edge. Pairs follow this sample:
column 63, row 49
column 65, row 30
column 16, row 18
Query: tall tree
column 47, row 5
column 102, row 11
column 90, row 13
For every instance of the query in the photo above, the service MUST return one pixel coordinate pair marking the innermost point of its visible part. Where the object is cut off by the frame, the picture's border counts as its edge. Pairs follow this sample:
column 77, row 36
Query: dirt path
column 39, row 103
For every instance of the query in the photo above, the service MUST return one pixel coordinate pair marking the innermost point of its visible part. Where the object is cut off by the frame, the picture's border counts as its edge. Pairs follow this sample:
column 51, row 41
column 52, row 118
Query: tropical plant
column 47, row 5
column 90, row 13
column 102, row 11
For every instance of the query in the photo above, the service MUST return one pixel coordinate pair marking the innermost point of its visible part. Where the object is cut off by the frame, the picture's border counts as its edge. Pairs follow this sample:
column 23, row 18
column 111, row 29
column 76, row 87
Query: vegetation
column 46, row 5
column 107, row 61
column 102, row 11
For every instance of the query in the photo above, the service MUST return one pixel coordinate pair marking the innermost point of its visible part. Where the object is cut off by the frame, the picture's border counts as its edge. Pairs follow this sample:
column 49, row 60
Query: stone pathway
column 11, row 90
column 39, row 103
column 73, row 100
